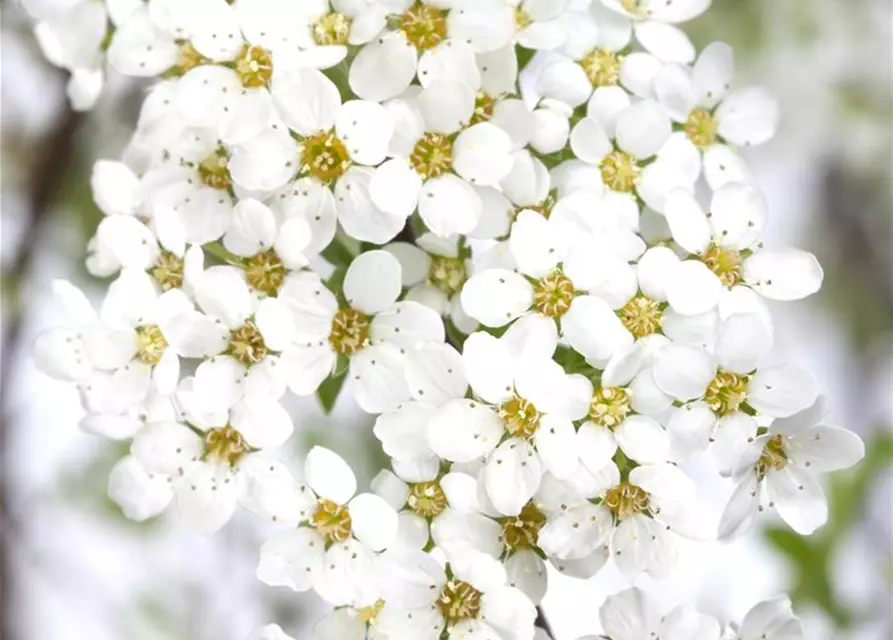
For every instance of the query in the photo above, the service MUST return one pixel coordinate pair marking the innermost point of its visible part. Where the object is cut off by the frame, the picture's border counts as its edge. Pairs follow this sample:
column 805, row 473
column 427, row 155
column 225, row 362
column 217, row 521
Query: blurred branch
column 542, row 623
column 47, row 177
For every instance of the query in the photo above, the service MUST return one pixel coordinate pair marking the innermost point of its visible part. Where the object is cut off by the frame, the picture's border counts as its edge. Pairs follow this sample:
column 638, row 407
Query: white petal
column 489, row 367
column 140, row 495
column 115, row 187
column 589, row 141
column 596, row 445
column 629, row 614
column 449, row 205
column 435, row 373
column 683, row 371
column 741, row 509
column 693, row 289
column 713, row 73
column 798, row 499
column 654, row 271
column 748, row 116
column 446, row 106
column 372, row 282
column 665, row 41
column 642, row 129
column 306, row 366
column 292, row 558
column 594, row 330
column 556, row 445
column 826, row 449
column 358, row 214
column 463, row 430
column 722, row 165
column 742, row 342
column 195, row 335
column 306, row 100
column 690, row 429
column 730, row 441
column 643, row 440
column 373, row 521
column 222, row 293
column 395, row 187
column 495, row 297
column 482, row 154
column 527, row 572
column 252, row 230
column 783, row 275
column 512, row 475
column 366, row 129
column 407, row 324
column 781, row 390
column 329, row 476
column 675, row 90
column 207, row 497
column 379, row 378
column 262, row 426
column 403, row 432
column 383, row 69
column 688, row 222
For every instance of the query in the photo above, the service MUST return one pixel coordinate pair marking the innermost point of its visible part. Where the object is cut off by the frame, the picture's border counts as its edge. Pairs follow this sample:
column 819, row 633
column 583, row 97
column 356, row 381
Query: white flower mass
column 441, row 203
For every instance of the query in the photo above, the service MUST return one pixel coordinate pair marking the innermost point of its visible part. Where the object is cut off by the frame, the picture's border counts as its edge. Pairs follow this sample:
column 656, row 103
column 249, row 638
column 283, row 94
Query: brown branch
column 46, row 180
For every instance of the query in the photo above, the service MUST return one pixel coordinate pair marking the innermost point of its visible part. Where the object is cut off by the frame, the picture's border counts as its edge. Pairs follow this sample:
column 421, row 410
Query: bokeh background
column 73, row 567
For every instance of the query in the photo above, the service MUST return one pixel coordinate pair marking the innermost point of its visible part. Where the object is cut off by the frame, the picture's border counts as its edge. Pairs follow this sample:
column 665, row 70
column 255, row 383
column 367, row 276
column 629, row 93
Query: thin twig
column 542, row 623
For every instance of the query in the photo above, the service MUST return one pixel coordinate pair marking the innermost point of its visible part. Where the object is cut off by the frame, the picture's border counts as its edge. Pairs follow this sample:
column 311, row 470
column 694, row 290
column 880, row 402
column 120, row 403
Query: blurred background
column 73, row 567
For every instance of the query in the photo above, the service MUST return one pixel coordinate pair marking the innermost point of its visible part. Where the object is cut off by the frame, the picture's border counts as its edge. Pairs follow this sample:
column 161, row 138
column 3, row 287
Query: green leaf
column 328, row 391
column 338, row 254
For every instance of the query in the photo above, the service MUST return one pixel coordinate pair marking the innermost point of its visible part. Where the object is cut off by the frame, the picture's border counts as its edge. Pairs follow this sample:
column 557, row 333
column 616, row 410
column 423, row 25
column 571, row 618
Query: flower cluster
column 520, row 233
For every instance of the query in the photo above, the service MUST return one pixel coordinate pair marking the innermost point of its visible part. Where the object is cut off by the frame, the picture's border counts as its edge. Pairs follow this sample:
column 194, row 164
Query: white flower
column 654, row 25
column 216, row 462
column 632, row 615
column 140, row 494
column 434, row 272
column 439, row 162
column 615, row 417
column 471, row 602
column 71, row 34
column 640, row 131
column 237, row 336
column 332, row 550
column 699, row 100
column 637, row 519
column 725, row 388
column 337, row 145
column 372, row 329
column 778, row 469
column 386, row 66
column 769, row 620
column 559, row 280
column 523, row 420
column 353, row 623
column 271, row 250
column 726, row 252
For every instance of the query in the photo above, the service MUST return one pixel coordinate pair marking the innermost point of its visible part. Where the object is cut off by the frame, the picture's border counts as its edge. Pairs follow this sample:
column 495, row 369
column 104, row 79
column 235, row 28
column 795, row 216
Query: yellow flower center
column 626, row 500
column 246, row 344
column 188, row 58
column 459, row 601
column 447, row 274
column 602, row 67
column 522, row 18
column 609, row 407
column 725, row 263
column 726, row 393
column 774, row 456
column 150, row 344
column 432, row 156
column 620, row 171
column 423, row 26
column 700, row 128
column 214, row 169
column 634, row 7
column 168, row 271
column 426, row 499
column 641, row 316
column 331, row 29
column 544, row 208
column 265, row 272
column 254, row 66
column 370, row 613
column 522, row 531
column 224, row 445
column 483, row 108
column 350, row 331
column 520, row 417
column 324, row 157
column 332, row 521
column 552, row 296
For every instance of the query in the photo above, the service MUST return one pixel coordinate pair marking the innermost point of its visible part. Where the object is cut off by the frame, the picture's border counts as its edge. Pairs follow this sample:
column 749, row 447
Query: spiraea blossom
column 521, row 234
